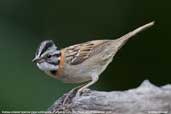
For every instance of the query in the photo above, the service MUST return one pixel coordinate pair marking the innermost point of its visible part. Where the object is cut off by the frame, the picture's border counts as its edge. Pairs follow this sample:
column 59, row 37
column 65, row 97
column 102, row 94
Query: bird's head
column 47, row 56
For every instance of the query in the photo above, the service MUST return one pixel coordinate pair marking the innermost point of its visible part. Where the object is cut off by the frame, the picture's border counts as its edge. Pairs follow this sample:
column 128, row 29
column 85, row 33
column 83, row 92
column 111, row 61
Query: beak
column 35, row 60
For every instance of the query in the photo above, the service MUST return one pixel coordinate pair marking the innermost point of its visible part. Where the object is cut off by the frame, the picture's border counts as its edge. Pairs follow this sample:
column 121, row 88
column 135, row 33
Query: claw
column 75, row 92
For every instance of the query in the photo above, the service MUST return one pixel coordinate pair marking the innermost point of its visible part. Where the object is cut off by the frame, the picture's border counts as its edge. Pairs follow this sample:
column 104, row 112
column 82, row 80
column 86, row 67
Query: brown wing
column 78, row 53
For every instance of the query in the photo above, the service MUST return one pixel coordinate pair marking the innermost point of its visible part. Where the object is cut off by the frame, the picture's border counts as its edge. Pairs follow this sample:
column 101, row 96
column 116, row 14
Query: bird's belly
column 85, row 71
column 75, row 78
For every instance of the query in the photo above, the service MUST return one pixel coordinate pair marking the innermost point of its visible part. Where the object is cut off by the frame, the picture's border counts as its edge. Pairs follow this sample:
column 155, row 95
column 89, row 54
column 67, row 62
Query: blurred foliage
column 25, row 23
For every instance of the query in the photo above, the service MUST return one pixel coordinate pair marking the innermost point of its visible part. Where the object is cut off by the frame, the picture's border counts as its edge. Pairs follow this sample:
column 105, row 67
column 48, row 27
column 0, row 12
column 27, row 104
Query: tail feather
column 122, row 40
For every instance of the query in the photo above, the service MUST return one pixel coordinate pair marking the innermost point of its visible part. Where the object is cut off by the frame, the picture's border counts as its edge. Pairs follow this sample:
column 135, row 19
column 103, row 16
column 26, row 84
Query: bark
column 146, row 99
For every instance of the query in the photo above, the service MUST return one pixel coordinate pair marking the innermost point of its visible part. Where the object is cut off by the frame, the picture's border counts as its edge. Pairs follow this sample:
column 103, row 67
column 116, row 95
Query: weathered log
column 146, row 99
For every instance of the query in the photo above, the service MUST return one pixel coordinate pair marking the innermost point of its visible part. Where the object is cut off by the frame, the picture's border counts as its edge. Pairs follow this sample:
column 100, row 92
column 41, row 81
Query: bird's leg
column 94, row 80
column 79, row 89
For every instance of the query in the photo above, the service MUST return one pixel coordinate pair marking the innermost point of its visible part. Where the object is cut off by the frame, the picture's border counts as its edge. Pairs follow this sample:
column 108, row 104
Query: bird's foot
column 69, row 96
column 81, row 91
column 76, row 92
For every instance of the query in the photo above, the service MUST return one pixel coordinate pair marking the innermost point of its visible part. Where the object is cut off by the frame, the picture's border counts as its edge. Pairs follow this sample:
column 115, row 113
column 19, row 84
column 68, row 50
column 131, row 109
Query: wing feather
column 78, row 53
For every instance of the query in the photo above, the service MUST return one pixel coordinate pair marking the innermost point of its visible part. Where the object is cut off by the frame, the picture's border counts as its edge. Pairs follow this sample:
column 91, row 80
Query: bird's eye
column 49, row 56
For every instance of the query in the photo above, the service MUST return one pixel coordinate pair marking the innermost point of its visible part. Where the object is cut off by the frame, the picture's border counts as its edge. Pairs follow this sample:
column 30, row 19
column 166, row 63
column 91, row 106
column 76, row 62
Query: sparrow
column 83, row 62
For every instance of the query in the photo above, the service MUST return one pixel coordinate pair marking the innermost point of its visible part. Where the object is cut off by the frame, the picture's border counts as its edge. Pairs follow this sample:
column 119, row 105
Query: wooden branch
column 146, row 99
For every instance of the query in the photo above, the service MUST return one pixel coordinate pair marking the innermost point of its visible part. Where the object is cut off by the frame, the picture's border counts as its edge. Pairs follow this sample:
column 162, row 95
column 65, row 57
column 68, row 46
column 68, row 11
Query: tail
column 123, row 39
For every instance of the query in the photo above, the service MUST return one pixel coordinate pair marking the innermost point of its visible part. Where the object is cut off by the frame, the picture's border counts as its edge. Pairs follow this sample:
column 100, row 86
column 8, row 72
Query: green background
column 25, row 23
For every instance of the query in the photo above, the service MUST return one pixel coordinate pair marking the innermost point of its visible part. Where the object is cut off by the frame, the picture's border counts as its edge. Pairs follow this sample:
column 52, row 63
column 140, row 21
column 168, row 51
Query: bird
column 82, row 62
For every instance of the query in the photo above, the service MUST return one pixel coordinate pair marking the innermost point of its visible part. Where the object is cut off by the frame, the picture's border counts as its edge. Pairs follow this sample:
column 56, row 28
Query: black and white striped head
column 47, row 56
